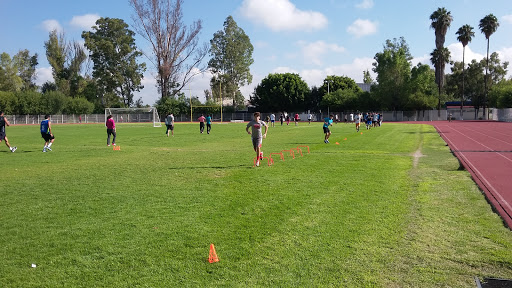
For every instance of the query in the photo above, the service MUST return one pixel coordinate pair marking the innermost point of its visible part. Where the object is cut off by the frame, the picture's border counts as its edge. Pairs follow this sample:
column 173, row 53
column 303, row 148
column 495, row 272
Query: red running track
column 485, row 150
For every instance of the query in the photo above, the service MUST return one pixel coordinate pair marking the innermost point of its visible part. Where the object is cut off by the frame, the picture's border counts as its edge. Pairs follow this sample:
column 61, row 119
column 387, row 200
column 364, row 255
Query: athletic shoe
column 113, row 144
column 44, row 150
column 261, row 155
column 49, row 148
column 14, row 148
column 108, row 144
column 258, row 163
column 325, row 141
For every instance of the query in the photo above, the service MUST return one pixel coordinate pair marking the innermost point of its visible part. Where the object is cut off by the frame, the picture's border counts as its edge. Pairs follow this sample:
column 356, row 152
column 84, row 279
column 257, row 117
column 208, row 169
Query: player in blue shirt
column 327, row 122
column 46, row 133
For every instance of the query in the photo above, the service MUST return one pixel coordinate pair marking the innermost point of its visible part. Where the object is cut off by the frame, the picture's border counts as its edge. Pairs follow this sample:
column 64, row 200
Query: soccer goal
column 135, row 115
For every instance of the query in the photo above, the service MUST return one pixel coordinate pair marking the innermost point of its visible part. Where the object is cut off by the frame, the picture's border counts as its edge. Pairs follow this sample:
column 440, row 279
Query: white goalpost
column 135, row 115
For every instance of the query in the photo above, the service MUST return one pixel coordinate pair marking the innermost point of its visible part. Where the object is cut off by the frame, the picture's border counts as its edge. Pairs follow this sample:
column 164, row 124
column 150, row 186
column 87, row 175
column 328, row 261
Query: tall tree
column 466, row 34
column 441, row 21
column 115, row 54
column 280, row 92
column 393, row 68
column 9, row 79
column 439, row 58
column 66, row 59
column 231, row 52
column 176, row 49
column 26, row 65
column 488, row 25
column 367, row 78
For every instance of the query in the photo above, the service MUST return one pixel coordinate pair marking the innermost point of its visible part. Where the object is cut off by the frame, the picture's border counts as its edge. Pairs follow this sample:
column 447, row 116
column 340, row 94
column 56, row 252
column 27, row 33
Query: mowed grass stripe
column 357, row 214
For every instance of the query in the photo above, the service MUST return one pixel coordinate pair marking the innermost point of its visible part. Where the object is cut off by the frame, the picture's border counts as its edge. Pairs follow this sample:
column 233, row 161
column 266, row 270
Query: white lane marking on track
column 480, row 175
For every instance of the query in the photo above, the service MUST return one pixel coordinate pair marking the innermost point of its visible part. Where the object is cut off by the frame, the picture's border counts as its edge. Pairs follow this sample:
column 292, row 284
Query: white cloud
column 282, row 15
column 366, row 4
column 362, row 28
column 43, row 75
column 51, row 24
column 84, row 21
column 456, row 53
column 507, row 19
column 313, row 52
column 315, row 77
column 505, row 54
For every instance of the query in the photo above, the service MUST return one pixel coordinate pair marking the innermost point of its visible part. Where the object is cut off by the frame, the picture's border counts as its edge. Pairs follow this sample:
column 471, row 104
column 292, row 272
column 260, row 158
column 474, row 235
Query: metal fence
column 503, row 115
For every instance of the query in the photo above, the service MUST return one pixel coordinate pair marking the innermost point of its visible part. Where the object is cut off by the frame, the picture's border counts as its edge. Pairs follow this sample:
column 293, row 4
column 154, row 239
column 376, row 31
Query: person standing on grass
column 281, row 118
column 3, row 137
column 208, row 123
column 296, row 118
column 257, row 136
column 272, row 120
column 46, row 133
column 169, row 123
column 357, row 119
column 327, row 122
column 309, row 118
column 287, row 119
column 111, row 130
column 201, row 123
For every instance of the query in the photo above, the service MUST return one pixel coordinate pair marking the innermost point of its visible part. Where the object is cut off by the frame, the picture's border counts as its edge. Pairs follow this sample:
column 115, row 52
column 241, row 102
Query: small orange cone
column 337, row 143
column 345, row 139
column 116, row 148
column 213, row 255
column 361, row 133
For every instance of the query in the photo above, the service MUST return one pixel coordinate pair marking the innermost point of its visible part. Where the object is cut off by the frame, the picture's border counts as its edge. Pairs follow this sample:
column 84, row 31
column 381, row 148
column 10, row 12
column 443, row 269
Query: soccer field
column 385, row 208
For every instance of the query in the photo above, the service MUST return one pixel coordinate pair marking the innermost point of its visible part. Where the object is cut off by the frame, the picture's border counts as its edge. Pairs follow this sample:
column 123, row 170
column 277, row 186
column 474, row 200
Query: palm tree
column 439, row 58
column 466, row 34
column 441, row 21
column 488, row 25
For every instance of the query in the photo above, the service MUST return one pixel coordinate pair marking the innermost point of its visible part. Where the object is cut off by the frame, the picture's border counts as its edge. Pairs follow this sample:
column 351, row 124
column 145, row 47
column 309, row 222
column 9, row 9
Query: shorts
column 2, row 136
column 256, row 142
column 170, row 127
column 47, row 137
column 326, row 130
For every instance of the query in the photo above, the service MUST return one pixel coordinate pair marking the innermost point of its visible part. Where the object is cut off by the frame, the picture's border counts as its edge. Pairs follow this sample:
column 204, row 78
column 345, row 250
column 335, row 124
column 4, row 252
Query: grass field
column 386, row 208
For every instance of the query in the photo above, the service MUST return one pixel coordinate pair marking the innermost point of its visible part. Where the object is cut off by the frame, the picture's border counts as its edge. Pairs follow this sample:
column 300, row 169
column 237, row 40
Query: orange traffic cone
column 116, row 148
column 337, row 143
column 213, row 255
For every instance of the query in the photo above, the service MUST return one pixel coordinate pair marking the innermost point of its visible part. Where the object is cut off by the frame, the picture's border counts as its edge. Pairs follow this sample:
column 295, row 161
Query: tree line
column 177, row 56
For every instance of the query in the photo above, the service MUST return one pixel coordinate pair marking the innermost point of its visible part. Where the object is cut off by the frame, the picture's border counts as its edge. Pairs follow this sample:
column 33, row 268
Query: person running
column 357, row 119
column 287, row 119
column 281, row 118
column 111, row 130
column 257, row 135
column 309, row 118
column 46, row 133
column 327, row 122
column 208, row 124
column 201, row 123
column 169, row 123
column 3, row 137
column 272, row 120
column 296, row 118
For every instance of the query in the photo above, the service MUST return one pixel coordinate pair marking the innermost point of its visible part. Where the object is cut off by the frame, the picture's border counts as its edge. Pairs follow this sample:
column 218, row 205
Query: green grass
column 358, row 214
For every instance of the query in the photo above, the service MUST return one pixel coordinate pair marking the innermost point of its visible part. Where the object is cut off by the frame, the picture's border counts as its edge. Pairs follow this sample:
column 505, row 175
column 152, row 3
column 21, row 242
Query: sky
column 311, row 38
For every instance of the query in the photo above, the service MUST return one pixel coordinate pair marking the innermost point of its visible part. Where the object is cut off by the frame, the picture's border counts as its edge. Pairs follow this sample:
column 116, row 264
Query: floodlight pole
column 220, row 92
column 190, row 98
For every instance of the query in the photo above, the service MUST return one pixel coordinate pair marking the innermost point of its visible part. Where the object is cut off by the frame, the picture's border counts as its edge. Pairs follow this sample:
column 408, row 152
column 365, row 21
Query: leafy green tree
column 367, row 78
column 502, row 93
column 29, row 102
column 78, row 106
column 313, row 99
column 422, row 88
column 393, row 68
column 231, row 52
column 8, row 102
column 26, row 65
column 340, row 93
column 9, row 79
column 114, row 54
column 488, row 25
column 53, row 102
column 466, row 34
column 66, row 60
column 280, row 92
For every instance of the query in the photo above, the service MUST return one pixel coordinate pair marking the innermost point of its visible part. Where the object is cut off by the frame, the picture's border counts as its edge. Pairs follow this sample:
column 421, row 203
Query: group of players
column 45, row 128
column 371, row 119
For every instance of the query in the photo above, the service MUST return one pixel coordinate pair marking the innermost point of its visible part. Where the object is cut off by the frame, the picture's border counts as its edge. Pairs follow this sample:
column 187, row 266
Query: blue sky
column 311, row 38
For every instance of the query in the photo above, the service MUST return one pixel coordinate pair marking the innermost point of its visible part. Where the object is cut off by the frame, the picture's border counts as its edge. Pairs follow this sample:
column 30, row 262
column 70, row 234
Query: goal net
column 135, row 115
